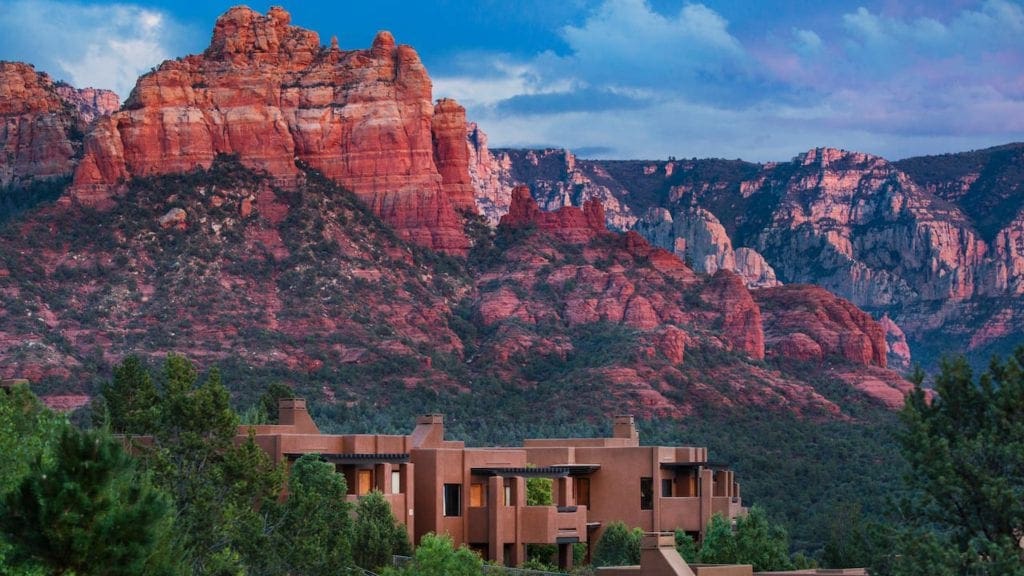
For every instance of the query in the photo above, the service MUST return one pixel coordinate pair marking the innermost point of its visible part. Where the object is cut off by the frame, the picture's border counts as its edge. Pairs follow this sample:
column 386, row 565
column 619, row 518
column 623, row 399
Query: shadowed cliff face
column 935, row 245
column 40, row 134
column 269, row 93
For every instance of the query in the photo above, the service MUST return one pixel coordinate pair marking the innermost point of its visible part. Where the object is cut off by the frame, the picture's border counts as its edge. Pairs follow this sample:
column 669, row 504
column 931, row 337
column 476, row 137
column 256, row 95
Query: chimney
column 625, row 427
column 429, row 432
column 292, row 412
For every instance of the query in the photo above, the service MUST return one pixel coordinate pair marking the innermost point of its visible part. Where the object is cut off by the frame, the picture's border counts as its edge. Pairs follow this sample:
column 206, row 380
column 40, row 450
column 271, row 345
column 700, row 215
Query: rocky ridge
column 268, row 92
column 933, row 245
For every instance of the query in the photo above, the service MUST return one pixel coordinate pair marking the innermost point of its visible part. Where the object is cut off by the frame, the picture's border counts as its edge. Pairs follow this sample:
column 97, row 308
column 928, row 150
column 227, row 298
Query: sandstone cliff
column 935, row 244
column 268, row 92
column 40, row 134
column 90, row 103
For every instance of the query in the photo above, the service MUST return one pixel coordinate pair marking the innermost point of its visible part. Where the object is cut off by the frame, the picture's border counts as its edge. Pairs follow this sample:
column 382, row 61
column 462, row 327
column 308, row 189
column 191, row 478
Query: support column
column 565, row 557
column 519, row 501
column 495, row 527
column 407, row 486
column 382, row 477
column 707, row 487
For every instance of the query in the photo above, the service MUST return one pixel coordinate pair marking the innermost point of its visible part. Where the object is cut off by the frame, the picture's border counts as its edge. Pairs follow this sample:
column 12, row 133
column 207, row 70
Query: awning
column 351, row 458
column 684, row 465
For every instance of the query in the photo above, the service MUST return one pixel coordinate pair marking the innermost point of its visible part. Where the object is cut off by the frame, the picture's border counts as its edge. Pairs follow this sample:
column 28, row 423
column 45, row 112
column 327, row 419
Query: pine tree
column 966, row 451
column 760, row 543
column 315, row 537
column 718, row 546
column 130, row 398
column 90, row 511
column 377, row 535
column 269, row 399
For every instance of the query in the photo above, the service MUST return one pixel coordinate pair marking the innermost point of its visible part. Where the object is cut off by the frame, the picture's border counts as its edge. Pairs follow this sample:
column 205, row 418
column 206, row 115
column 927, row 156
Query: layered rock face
column 566, row 269
column 39, row 132
column 569, row 224
column 556, row 177
column 91, row 103
column 270, row 93
column 696, row 236
column 935, row 243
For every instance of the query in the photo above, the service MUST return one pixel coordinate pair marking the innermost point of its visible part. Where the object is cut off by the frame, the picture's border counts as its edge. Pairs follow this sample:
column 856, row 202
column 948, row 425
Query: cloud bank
column 103, row 46
column 638, row 83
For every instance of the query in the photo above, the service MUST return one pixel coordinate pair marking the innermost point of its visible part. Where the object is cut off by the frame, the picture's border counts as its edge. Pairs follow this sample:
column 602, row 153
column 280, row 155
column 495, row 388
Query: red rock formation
column 568, row 224
column 268, row 92
column 807, row 323
column 741, row 317
column 91, row 103
column 35, row 126
column 451, row 153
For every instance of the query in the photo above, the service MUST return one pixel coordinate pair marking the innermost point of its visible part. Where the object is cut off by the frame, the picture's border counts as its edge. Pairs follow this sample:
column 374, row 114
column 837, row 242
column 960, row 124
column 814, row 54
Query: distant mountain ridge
column 932, row 245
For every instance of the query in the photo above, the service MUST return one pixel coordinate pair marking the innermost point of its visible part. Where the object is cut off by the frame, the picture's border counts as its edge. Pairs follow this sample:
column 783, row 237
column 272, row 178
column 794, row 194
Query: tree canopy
column 965, row 447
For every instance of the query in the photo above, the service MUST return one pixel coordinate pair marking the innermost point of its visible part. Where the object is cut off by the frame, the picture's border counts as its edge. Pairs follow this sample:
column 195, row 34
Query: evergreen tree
column 27, row 434
column 269, row 399
column 89, row 511
column 718, row 546
column 618, row 546
column 129, row 399
column 315, row 537
column 686, row 546
column 377, row 535
column 966, row 451
column 760, row 543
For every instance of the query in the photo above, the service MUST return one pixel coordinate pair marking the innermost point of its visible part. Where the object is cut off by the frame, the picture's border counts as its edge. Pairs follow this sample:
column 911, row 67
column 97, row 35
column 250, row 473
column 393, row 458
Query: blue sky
column 628, row 78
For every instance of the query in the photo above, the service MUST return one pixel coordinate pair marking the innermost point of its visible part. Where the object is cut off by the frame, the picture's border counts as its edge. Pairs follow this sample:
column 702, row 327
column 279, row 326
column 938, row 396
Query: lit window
column 396, row 482
column 477, row 495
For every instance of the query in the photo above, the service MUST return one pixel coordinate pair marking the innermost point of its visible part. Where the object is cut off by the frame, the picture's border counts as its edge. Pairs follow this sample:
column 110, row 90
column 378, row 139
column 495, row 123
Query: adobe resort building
column 478, row 495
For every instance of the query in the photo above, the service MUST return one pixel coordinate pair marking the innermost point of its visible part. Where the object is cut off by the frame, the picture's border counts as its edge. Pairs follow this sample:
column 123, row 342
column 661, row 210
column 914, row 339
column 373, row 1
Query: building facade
column 478, row 495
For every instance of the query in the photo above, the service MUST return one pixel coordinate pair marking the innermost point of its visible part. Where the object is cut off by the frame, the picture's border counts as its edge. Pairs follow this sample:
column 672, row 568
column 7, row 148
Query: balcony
column 539, row 524
column 680, row 513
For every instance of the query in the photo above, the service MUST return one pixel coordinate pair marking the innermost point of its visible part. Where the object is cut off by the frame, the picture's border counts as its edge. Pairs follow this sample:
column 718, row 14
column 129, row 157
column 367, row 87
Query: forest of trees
column 189, row 500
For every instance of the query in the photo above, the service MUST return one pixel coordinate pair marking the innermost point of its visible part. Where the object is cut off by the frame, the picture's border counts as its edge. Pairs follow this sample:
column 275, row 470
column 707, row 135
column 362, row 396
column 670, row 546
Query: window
column 477, row 495
column 646, row 493
column 396, row 482
column 364, row 481
column 666, row 487
column 508, row 495
column 453, row 499
column 583, row 492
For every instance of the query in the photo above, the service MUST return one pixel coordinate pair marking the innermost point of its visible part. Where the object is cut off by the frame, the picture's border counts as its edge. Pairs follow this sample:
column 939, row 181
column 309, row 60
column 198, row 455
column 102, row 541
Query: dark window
column 453, row 499
column 646, row 493
column 666, row 487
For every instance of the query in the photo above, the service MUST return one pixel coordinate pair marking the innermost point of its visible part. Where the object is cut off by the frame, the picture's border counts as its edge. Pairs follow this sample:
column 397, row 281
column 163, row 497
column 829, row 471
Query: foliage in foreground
column 966, row 452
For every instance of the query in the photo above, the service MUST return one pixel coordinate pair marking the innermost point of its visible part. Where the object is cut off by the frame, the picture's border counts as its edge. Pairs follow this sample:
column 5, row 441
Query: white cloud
column 806, row 42
column 103, row 46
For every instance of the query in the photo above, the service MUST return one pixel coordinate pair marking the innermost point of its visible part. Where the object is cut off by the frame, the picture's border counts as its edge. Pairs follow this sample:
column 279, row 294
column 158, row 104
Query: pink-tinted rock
column 568, row 224
column 835, row 325
column 741, row 316
column 91, row 103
